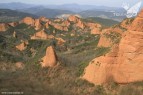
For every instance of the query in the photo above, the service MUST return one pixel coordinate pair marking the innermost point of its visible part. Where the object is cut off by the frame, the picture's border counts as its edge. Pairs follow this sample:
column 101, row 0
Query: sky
column 112, row 3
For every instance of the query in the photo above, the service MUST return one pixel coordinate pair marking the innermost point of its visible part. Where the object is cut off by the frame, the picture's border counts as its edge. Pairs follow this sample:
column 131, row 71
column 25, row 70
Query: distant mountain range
column 70, row 7
column 15, row 5
column 52, row 11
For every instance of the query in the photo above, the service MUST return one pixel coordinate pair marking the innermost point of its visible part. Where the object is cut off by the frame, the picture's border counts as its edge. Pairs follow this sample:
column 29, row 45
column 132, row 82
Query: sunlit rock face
column 40, row 35
column 77, row 21
column 124, row 63
column 50, row 58
column 130, row 58
column 28, row 21
column 137, row 24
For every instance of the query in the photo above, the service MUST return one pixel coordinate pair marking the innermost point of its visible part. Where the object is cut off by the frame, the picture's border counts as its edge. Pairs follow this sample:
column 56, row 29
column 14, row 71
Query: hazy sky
column 115, row 3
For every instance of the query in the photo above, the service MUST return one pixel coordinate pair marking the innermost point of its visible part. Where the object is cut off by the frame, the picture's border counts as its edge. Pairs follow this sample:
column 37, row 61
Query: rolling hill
column 7, row 15
column 50, row 13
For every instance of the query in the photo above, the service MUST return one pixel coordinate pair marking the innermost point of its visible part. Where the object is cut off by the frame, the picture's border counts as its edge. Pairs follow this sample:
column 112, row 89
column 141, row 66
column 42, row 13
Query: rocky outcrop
column 77, row 21
column 37, row 24
column 124, row 64
column 109, row 37
column 60, row 41
column 44, row 19
column 19, row 65
column 95, row 31
column 80, row 24
column 40, row 35
column 73, row 18
column 100, row 69
column 58, row 20
column 28, row 21
column 50, row 59
column 129, row 66
column 14, row 34
column 59, row 27
column 137, row 24
column 93, row 25
column 65, row 23
column 13, row 24
column 126, row 23
column 3, row 27
column 22, row 46
column 104, row 41
column 47, row 25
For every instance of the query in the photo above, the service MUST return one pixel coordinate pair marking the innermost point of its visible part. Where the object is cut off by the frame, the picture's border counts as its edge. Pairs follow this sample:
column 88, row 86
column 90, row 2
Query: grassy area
column 114, row 37
column 102, row 21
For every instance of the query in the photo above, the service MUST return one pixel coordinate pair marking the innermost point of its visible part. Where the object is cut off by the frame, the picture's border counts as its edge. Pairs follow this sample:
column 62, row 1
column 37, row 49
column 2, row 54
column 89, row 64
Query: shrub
column 129, row 90
column 99, row 90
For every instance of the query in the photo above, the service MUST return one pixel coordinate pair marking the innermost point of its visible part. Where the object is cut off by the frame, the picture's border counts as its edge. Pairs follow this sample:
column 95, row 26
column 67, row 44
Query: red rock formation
column 66, row 23
column 37, row 24
column 104, row 41
column 3, row 27
column 28, row 21
column 44, row 19
column 22, row 46
column 80, row 24
column 130, row 58
column 50, row 59
column 40, row 35
column 58, row 20
column 73, row 18
column 77, row 21
column 126, row 23
column 93, row 25
column 137, row 24
column 95, row 31
column 47, row 24
column 60, row 41
column 60, row 27
column 124, row 64
column 99, row 70
column 13, row 24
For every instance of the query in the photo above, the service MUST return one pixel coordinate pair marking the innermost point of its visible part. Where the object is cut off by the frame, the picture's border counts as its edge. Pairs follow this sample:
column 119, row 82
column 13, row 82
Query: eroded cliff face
column 100, row 69
column 108, row 38
column 137, row 24
column 124, row 63
column 129, row 66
